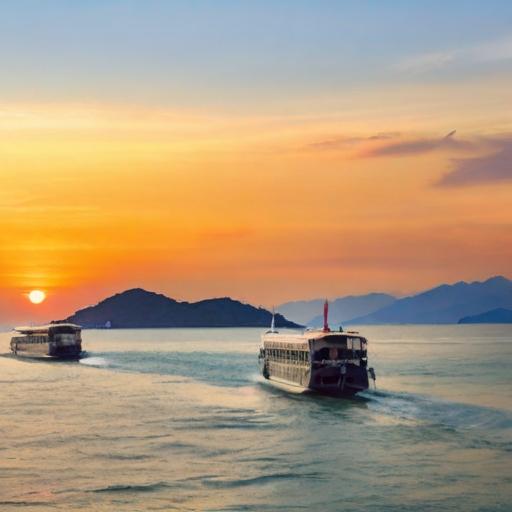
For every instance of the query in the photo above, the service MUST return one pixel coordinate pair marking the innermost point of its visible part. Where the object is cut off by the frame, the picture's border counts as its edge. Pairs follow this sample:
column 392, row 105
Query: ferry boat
column 323, row 361
column 57, row 341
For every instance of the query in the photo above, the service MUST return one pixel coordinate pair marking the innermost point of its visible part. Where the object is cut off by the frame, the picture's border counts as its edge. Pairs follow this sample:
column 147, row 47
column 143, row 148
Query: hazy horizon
column 6, row 321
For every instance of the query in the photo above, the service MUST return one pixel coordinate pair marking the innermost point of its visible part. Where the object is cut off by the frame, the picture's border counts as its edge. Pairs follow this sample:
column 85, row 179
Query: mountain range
column 440, row 305
column 340, row 310
column 475, row 302
column 138, row 308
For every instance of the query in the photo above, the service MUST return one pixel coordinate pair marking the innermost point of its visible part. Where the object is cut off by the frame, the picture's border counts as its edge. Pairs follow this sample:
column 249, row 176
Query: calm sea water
column 178, row 419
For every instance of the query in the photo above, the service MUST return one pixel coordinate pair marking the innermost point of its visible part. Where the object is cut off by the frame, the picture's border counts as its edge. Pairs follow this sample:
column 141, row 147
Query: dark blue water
column 180, row 420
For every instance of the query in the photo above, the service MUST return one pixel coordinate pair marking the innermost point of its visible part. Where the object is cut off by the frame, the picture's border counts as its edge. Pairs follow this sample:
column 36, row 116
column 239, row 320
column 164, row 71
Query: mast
column 326, row 314
column 273, row 323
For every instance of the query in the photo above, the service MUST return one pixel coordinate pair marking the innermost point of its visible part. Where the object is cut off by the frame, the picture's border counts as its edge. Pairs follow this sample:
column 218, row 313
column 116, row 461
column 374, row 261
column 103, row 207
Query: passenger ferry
column 324, row 361
column 57, row 341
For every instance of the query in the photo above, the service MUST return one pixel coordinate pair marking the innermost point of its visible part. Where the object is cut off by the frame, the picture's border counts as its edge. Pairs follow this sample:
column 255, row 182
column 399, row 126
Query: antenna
column 272, row 325
column 326, row 315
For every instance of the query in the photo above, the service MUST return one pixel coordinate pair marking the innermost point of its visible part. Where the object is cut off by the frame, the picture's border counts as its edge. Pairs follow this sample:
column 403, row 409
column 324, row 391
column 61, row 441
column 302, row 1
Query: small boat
column 56, row 341
column 324, row 361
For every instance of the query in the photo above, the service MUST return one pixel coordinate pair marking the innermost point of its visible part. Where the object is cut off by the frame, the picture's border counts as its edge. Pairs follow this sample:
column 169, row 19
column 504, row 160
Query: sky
column 267, row 151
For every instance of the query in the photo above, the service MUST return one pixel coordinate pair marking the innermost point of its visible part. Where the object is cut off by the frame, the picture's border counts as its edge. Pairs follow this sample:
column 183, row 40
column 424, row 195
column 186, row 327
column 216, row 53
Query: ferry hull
column 339, row 380
column 47, row 351
column 328, row 381
column 289, row 387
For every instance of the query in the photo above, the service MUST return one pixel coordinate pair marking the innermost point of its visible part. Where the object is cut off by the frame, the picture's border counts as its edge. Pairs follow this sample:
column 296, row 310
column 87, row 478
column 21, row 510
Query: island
column 138, row 308
column 494, row 316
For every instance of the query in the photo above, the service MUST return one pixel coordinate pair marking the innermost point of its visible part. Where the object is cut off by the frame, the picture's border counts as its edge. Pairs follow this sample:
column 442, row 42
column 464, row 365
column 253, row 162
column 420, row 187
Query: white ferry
column 57, row 341
column 325, row 361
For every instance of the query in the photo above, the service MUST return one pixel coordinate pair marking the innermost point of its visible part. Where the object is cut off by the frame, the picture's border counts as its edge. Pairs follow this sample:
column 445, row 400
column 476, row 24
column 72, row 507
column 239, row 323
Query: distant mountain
column 494, row 316
column 444, row 304
column 340, row 310
column 139, row 308
column 343, row 309
column 301, row 311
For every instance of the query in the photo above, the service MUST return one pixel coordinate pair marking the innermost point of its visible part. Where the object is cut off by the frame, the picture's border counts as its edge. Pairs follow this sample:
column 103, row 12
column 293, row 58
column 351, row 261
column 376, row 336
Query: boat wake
column 99, row 362
column 491, row 426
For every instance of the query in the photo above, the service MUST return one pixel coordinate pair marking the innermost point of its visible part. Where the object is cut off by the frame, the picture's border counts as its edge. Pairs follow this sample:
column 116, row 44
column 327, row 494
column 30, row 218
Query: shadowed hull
column 46, row 351
column 341, row 380
column 344, row 380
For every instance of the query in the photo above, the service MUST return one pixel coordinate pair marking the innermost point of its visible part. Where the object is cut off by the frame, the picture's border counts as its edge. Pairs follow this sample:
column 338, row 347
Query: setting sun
column 36, row 296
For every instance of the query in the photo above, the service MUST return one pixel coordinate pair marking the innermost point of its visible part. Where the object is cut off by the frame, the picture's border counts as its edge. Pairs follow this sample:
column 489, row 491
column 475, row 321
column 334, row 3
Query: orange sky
column 98, row 198
column 264, row 152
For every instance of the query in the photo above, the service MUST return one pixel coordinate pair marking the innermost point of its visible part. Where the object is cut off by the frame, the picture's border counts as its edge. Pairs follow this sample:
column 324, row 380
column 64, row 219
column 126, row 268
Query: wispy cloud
column 395, row 144
column 419, row 146
column 427, row 61
column 488, row 51
column 497, row 50
column 493, row 168
column 489, row 160
column 347, row 141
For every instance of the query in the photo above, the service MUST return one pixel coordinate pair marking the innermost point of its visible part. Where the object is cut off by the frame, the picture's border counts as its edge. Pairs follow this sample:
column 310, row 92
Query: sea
column 180, row 420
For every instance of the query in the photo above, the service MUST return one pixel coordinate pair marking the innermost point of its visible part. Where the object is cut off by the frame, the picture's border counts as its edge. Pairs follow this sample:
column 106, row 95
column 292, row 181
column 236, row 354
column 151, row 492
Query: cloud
column 427, row 61
column 418, row 146
column 493, row 168
column 344, row 142
column 492, row 51
column 394, row 144
column 495, row 50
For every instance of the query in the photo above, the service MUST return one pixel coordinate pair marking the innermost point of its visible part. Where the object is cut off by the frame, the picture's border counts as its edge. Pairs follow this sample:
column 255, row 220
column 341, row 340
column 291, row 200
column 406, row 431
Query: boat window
column 354, row 343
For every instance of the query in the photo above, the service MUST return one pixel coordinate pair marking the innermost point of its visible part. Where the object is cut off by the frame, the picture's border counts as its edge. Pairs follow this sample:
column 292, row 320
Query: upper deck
column 304, row 338
column 47, row 329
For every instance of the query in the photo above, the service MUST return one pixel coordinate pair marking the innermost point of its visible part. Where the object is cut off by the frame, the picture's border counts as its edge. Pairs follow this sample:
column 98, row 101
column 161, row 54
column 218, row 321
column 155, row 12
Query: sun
column 36, row 296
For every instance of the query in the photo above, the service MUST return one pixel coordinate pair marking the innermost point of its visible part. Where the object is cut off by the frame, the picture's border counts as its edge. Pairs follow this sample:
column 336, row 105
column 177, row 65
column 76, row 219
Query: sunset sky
column 269, row 150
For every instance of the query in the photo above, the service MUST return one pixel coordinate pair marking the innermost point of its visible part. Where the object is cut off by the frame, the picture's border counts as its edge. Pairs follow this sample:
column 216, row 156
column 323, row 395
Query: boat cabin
column 53, row 340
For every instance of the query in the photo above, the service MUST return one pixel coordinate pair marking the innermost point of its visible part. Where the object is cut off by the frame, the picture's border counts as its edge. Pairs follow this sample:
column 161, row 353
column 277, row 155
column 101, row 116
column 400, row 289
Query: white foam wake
column 94, row 361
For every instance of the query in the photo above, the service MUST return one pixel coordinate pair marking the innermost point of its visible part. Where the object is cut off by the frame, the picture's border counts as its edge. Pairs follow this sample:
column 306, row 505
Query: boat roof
column 319, row 333
column 44, row 328
column 306, row 335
